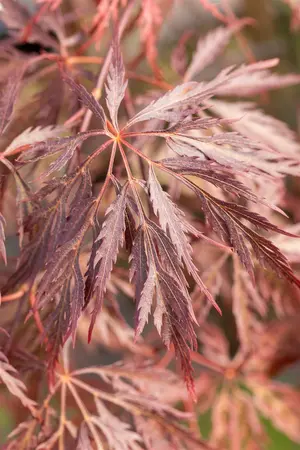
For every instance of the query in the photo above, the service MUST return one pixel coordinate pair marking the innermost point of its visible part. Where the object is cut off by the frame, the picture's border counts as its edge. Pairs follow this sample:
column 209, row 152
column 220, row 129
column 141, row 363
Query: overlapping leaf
column 66, row 145
column 33, row 135
column 50, row 226
column 156, row 269
column 14, row 385
column 63, row 276
column 271, row 132
column 111, row 237
column 118, row 434
column 154, row 421
column 230, row 150
column 8, row 97
column 179, row 102
column 172, row 221
column 227, row 220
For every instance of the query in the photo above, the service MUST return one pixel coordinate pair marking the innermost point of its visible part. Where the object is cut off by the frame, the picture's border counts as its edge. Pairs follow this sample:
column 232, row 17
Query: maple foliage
column 162, row 206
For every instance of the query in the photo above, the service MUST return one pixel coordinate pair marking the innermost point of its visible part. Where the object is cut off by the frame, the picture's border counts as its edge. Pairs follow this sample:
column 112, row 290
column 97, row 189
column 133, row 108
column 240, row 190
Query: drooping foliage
column 169, row 206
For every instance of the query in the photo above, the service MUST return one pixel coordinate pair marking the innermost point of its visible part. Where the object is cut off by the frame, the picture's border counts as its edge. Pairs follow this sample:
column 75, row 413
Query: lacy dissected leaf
column 130, row 229
column 164, row 107
column 144, row 280
column 181, row 101
column 87, row 99
column 250, row 84
column 92, row 267
column 208, row 48
column 156, row 269
column 280, row 404
column 23, row 202
column 118, row 434
column 257, row 125
column 235, row 419
column 172, row 317
column 216, row 174
column 115, row 83
column 149, row 22
column 165, row 251
column 267, row 253
column 172, row 221
column 52, row 225
column 33, row 135
column 227, row 220
column 130, row 390
column 111, row 237
column 130, row 213
column 230, row 150
column 248, row 308
column 23, row 198
column 64, row 261
column 212, row 172
column 203, row 123
column 8, row 97
column 66, row 145
column 63, row 279
column 14, row 385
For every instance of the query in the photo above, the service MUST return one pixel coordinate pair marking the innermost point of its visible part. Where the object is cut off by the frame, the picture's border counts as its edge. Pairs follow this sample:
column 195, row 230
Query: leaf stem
column 15, row 296
column 85, row 415
column 108, row 175
column 97, row 152
column 203, row 361
column 138, row 152
column 132, row 181
column 63, row 395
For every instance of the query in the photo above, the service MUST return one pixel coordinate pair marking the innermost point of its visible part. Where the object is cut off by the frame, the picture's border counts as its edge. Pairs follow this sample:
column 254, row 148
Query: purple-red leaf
column 86, row 98
column 172, row 221
column 154, row 272
column 111, row 237
column 254, row 83
column 180, row 102
column 8, row 97
column 14, row 385
column 116, row 83
column 66, row 145
column 31, row 136
column 208, row 48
